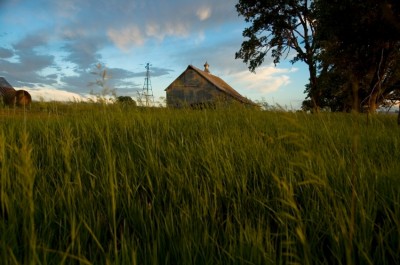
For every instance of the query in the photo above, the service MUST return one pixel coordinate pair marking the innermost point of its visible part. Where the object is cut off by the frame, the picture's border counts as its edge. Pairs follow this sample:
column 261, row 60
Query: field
column 87, row 184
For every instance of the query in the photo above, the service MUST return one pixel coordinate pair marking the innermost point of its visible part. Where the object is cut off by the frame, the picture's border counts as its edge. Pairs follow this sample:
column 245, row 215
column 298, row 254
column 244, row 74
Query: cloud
column 203, row 13
column 119, row 73
column 67, row 8
column 131, row 36
column 134, row 35
column 72, row 34
column 153, row 30
column 176, row 28
column 84, row 53
column 149, row 20
column 126, row 37
column 27, row 63
column 158, row 71
column 49, row 94
column 267, row 79
column 78, row 83
column 166, row 29
column 31, row 41
column 6, row 53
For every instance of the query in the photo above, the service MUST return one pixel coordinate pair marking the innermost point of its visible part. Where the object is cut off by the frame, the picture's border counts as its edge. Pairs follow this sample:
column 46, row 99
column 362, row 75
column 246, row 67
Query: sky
column 53, row 48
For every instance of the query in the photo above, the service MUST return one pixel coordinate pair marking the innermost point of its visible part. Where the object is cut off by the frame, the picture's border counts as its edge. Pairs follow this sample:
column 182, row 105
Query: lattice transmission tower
column 147, row 89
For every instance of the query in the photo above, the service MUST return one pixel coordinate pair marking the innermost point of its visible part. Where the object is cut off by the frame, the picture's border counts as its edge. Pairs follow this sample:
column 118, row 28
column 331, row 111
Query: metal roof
column 4, row 83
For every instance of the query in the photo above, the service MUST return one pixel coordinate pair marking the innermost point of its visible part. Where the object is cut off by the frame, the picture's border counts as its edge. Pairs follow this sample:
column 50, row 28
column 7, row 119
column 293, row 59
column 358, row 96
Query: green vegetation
column 87, row 184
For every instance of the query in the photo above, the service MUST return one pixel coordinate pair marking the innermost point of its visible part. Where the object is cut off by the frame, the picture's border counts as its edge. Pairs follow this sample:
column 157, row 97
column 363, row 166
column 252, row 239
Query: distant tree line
column 351, row 48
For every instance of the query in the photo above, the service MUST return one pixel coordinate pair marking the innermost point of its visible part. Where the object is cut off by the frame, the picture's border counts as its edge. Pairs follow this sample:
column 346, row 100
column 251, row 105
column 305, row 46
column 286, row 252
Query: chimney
column 206, row 68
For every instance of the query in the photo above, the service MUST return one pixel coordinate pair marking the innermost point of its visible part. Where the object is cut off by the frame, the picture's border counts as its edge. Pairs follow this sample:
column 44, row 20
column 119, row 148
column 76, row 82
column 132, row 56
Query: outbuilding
column 197, row 88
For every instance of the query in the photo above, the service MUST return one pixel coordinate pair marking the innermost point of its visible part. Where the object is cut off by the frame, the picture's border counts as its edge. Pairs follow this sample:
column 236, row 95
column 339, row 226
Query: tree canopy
column 364, row 44
column 351, row 47
column 278, row 27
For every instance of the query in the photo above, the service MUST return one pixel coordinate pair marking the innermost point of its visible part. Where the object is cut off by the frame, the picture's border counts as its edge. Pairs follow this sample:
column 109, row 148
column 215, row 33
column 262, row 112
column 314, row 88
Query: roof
column 220, row 84
column 4, row 83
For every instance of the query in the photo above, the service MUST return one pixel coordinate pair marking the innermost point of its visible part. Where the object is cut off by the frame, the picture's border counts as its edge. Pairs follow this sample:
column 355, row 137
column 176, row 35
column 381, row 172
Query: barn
column 195, row 87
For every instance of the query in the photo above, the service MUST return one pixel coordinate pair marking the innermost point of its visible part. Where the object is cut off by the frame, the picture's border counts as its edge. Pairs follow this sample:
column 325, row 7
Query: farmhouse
column 195, row 87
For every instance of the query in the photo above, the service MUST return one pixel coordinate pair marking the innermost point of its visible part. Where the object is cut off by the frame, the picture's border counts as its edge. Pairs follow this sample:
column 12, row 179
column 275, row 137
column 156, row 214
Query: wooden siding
column 189, row 89
column 195, row 87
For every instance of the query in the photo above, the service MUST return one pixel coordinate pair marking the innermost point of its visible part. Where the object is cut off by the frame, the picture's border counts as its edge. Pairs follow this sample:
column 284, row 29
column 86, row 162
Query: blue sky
column 51, row 47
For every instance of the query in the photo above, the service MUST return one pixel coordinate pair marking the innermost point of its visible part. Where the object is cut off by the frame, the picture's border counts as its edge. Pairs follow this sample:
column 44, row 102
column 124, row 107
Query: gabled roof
column 219, row 84
column 4, row 83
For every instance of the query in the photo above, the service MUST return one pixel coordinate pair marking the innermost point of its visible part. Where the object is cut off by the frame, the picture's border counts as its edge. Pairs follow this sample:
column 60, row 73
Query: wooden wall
column 190, row 89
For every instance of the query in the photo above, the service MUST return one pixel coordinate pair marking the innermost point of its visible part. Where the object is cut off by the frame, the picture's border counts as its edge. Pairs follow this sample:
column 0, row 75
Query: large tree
column 277, row 27
column 361, row 40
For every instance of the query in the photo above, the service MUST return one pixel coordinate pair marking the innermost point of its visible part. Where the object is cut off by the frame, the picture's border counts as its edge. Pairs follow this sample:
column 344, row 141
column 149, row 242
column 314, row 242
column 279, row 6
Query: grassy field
column 85, row 184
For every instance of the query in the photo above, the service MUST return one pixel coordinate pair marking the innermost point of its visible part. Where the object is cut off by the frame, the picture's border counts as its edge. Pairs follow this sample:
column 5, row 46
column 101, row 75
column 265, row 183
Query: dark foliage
column 126, row 100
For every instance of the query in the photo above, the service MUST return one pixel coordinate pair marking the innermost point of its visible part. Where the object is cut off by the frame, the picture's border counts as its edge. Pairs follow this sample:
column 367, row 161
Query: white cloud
column 267, row 79
column 203, row 13
column 153, row 30
column 132, row 35
column 179, row 29
column 50, row 94
column 171, row 28
column 127, row 37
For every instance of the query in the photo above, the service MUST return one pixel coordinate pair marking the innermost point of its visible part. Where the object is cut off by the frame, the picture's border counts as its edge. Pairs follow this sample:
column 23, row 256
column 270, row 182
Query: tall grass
column 82, row 184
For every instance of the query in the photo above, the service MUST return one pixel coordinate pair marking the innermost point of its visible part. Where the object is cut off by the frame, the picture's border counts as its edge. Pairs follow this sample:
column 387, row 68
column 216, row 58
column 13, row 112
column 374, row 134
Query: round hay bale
column 22, row 98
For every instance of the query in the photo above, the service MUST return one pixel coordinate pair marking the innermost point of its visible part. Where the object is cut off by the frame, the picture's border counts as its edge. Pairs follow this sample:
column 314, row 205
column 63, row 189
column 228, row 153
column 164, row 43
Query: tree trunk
column 315, row 94
column 372, row 102
column 398, row 117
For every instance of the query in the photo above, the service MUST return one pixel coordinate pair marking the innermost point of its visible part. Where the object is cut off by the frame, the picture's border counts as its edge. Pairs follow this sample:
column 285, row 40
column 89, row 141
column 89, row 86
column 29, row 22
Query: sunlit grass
column 95, row 184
